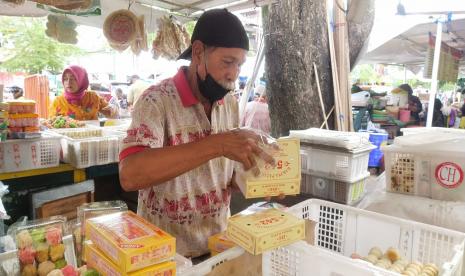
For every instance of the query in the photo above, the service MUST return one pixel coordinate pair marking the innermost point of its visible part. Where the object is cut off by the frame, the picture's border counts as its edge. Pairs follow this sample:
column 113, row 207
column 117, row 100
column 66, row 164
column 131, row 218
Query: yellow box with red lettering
column 130, row 241
column 98, row 261
column 284, row 178
column 265, row 230
column 219, row 243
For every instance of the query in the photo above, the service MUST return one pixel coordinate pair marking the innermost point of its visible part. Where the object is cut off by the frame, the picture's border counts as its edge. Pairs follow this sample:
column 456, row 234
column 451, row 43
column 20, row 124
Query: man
column 136, row 89
column 257, row 115
column 414, row 103
column 18, row 93
column 181, row 145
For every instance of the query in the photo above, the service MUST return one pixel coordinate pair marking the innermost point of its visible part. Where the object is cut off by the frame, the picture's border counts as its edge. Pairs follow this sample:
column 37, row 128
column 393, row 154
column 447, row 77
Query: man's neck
column 192, row 79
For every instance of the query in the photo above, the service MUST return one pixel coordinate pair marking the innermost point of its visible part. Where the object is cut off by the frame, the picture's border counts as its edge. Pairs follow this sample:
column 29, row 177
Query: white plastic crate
column 345, row 230
column 335, row 163
column 88, row 147
column 111, row 124
column 424, row 171
column 438, row 130
column 334, row 190
column 302, row 259
column 28, row 154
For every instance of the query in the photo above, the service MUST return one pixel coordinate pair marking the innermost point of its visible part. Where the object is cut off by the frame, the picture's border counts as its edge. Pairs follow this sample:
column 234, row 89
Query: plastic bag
column 75, row 7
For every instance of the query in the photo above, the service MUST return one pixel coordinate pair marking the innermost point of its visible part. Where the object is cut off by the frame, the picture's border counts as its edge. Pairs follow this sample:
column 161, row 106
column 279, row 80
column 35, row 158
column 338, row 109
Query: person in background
column 122, row 99
column 17, row 92
column 136, row 89
column 76, row 101
column 438, row 116
column 414, row 103
column 257, row 115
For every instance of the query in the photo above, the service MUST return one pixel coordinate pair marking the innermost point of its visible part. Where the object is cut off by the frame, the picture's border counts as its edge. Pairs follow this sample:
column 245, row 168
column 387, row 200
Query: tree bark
column 296, row 36
column 360, row 17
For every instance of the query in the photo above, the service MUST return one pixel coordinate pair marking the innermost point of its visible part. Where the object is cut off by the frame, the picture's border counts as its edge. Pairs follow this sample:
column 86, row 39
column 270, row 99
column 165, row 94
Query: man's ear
column 197, row 52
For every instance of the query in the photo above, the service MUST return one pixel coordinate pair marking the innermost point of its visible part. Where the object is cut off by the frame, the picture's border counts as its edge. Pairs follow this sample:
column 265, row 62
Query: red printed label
column 449, row 175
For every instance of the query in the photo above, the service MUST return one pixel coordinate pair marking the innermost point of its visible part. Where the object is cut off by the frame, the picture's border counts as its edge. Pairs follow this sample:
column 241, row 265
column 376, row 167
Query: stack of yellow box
column 125, row 244
column 219, row 243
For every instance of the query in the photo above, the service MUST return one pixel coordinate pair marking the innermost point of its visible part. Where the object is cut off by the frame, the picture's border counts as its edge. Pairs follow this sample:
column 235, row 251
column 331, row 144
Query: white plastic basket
column 439, row 130
column 425, row 172
column 345, row 230
column 112, row 124
column 29, row 154
column 334, row 190
column 335, row 163
column 88, row 147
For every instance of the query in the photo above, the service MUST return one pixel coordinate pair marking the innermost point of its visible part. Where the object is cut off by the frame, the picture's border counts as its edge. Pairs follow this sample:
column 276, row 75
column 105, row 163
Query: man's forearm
column 155, row 166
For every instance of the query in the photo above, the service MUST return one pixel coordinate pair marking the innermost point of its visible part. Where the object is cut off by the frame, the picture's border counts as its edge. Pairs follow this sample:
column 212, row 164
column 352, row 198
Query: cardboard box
column 284, row 178
column 265, row 230
column 219, row 243
column 130, row 241
column 98, row 261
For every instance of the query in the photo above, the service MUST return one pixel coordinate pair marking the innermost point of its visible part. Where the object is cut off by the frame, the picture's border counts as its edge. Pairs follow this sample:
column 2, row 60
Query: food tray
column 335, row 163
column 29, row 154
column 345, row 230
column 84, row 148
column 430, row 173
column 334, row 190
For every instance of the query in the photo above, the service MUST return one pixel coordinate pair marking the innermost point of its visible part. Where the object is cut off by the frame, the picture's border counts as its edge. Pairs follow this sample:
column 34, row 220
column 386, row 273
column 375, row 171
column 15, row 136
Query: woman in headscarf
column 77, row 102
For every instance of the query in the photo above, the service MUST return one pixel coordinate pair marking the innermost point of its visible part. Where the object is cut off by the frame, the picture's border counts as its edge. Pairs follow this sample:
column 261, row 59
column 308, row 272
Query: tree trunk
column 360, row 19
column 296, row 36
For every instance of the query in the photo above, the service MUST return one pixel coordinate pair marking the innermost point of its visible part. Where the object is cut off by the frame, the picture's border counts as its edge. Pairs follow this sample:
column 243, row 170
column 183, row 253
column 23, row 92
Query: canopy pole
column 434, row 82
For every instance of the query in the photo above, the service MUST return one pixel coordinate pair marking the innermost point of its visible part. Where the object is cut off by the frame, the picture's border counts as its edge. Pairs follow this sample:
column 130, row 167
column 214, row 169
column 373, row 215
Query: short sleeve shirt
column 194, row 205
column 87, row 109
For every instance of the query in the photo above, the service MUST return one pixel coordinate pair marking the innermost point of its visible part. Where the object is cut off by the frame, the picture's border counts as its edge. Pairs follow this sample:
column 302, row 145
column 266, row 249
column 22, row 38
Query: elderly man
column 181, row 146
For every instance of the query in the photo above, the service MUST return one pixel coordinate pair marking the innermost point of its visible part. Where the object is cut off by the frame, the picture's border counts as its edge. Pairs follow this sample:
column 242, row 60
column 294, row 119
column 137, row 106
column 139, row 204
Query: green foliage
column 190, row 27
column 28, row 49
column 365, row 73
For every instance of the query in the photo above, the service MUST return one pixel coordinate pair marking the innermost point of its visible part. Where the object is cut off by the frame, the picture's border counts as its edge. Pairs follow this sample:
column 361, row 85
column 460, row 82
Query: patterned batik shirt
column 194, row 205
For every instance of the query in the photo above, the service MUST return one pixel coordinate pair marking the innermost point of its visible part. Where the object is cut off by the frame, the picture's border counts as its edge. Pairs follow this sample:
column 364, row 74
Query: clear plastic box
column 334, row 190
column 84, row 148
column 29, row 154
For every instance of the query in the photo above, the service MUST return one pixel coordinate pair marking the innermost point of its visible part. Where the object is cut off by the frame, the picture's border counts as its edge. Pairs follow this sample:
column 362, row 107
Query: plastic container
column 23, row 120
column 435, row 171
column 438, row 130
column 20, row 107
column 345, row 230
column 404, row 115
column 378, row 140
column 110, row 124
column 334, row 190
column 332, row 138
column 336, row 163
column 393, row 111
column 22, row 155
column 87, row 147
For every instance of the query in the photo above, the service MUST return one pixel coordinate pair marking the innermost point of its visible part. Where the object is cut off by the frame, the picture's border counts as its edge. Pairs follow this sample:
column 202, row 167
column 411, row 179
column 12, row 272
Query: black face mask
column 211, row 89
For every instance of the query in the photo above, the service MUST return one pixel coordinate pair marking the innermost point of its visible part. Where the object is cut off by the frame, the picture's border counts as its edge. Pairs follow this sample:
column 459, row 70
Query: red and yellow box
column 284, row 178
column 130, row 241
column 98, row 261
column 219, row 243
column 265, row 230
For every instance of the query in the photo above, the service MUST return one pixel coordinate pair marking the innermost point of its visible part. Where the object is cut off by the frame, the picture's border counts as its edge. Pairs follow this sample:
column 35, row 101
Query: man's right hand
column 243, row 146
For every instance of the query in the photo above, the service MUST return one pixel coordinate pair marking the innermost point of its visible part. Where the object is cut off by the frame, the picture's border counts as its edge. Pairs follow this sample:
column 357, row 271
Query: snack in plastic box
column 45, row 268
column 33, row 240
column 27, row 255
column 69, row 271
column 21, row 106
column 130, row 241
column 55, row 272
column 23, row 120
column 265, row 230
column 57, row 252
column 29, row 270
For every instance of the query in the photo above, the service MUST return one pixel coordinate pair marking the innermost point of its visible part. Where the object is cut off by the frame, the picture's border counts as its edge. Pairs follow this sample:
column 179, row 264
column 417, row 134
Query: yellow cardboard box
column 265, row 230
column 219, row 243
column 98, row 261
column 284, row 178
column 130, row 241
